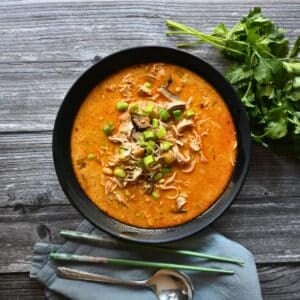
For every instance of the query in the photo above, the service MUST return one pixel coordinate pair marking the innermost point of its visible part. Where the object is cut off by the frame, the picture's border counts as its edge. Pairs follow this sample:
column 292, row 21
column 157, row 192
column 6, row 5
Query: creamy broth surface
column 199, row 136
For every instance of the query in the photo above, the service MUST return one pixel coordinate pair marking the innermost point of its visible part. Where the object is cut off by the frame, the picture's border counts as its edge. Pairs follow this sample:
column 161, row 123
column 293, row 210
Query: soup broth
column 153, row 145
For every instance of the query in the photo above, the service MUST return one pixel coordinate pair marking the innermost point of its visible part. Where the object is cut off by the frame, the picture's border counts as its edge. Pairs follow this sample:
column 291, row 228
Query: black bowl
column 69, row 109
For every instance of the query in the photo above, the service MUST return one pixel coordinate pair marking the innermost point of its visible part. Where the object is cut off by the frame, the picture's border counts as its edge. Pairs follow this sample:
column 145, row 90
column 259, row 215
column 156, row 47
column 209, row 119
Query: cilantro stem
column 213, row 40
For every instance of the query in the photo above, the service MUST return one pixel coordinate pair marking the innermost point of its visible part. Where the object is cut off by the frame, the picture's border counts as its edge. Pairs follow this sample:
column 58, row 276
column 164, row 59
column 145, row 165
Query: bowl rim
column 69, row 108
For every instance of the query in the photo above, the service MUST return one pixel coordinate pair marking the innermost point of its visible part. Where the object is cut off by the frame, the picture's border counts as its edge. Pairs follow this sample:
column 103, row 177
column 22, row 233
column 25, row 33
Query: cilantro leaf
column 296, row 48
column 265, row 74
column 236, row 73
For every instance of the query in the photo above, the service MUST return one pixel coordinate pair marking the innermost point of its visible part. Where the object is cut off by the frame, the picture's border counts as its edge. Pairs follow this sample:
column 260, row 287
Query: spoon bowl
column 166, row 284
column 170, row 284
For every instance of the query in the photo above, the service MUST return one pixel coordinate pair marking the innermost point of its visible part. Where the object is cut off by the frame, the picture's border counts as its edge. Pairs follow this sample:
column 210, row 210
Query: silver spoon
column 166, row 284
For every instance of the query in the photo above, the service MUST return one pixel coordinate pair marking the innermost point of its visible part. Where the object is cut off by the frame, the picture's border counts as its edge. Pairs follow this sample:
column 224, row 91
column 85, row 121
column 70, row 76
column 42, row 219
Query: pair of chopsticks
column 108, row 242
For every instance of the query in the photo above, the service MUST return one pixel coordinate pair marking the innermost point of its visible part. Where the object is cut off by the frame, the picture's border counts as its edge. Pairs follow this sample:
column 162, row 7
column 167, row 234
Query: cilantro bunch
column 265, row 73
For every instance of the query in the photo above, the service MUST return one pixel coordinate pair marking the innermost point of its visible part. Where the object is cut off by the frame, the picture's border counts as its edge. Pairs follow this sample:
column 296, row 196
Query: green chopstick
column 106, row 241
column 133, row 263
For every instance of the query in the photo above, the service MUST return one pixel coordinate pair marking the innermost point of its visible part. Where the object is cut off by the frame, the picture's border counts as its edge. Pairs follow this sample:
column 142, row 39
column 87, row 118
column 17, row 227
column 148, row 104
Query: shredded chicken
column 201, row 122
column 170, row 179
column 125, row 87
column 203, row 157
column 181, row 201
column 120, row 199
column 176, row 131
column 109, row 187
column 195, row 144
column 155, row 72
column 190, row 168
column 169, row 188
column 181, row 158
column 184, row 124
column 152, row 138
column 134, row 174
column 175, row 141
column 189, row 102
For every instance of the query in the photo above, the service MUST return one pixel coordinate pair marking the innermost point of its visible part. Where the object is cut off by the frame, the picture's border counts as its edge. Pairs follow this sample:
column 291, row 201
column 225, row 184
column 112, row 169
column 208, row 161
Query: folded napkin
column 243, row 285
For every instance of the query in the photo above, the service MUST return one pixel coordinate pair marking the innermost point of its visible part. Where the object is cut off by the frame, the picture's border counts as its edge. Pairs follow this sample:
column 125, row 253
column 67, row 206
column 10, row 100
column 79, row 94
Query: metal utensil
column 166, row 284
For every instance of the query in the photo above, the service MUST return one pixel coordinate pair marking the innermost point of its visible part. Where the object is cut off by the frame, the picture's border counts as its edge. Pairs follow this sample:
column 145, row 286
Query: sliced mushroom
column 118, row 138
column 184, row 124
column 124, row 130
column 141, row 121
column 138, row 151
column 175, row 101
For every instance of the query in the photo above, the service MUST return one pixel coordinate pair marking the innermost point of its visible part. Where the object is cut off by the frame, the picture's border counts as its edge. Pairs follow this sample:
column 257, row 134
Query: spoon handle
column 75, row 274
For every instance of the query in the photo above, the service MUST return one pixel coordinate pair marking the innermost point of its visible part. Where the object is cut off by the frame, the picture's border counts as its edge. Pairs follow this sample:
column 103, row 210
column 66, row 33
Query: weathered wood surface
column 280, row 282
column 45, row 45
column 265, row 217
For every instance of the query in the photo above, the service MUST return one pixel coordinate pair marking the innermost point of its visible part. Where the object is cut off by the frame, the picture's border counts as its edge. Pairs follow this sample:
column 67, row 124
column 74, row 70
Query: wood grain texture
column 278, row 282
column 264, row 218
column 27, row 172
column 21, row 229
column 19, row 286
column 45, row 46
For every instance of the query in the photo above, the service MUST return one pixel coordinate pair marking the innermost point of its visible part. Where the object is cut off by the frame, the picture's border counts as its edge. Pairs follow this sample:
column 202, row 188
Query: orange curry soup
column 153, row 145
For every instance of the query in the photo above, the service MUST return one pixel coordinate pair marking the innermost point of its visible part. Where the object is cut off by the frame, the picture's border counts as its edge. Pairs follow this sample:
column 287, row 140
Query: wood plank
column 45, row 45
column 278, row 282
column 264, row 218
column 21, row 230
column 270, row 235
column 27, row 174
column 19, row 286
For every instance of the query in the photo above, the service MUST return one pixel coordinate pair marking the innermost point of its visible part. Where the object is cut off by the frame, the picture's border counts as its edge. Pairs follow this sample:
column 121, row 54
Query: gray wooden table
column 44, row 47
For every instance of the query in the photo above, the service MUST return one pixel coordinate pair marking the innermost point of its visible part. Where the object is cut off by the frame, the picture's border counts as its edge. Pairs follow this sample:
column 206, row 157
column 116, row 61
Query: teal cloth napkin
column 243, row 285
